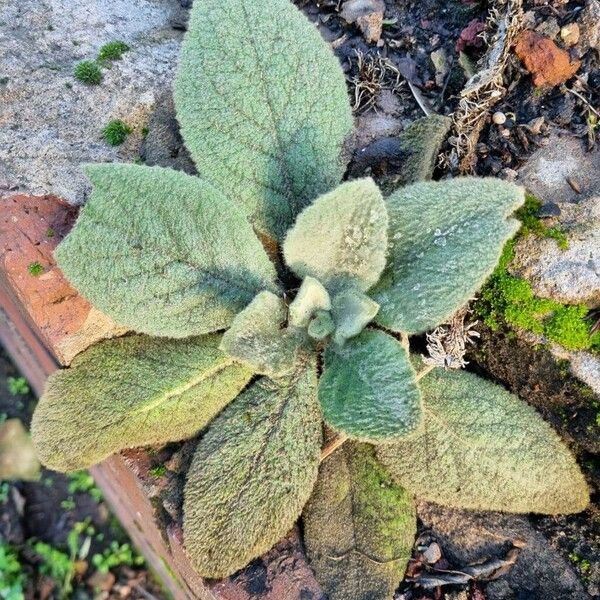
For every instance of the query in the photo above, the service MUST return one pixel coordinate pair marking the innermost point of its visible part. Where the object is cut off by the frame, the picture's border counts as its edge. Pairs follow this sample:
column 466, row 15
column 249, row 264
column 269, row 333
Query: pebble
column 570, row 34
column 550, row 209
column 499, row 118
column 432, row 553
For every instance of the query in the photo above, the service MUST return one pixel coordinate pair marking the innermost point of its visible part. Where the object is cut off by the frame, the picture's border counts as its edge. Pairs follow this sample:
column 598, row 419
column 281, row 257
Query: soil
column 47, row 511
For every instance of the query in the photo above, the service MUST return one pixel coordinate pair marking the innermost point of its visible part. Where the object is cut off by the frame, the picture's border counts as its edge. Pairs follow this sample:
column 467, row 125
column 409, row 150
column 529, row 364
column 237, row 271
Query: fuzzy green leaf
column 252, row 473
column 129, row 392
column 446, row 238
column 368, row 389
column 263, row 107
column 359, row 527
column 311, row 298
column 352, row 312
column 421, row 141
column 482, row 448
column 162, row 252
column 341, row 238
column 257, row 339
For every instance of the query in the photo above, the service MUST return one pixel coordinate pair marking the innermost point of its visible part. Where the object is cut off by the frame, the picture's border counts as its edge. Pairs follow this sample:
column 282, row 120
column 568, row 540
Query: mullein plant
column 259, row 351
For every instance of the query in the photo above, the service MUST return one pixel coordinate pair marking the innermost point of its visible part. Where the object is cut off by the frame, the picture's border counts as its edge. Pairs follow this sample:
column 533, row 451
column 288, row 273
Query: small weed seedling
column 112, row 51
column 88, row 72
column 116, row 132
column 17, row 386
column 255, row 355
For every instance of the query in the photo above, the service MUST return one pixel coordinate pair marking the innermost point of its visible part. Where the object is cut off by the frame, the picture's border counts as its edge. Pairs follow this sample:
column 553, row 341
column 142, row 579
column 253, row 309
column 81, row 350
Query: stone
column 367, row 15
column 439, row 58
column 56, row 121
column 549, row 64
column 586, row 367
column 548, row 171
column 589, row 26
column 18, row 460
column 499, row 118
column 570, row 276
column 432, row 553
column 468, row 537
column 570, row 34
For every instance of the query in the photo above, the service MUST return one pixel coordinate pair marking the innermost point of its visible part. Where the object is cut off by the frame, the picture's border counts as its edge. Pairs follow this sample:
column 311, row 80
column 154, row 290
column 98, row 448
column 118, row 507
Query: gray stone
column 589, row 26
column 472, row 537
column 547, row 172
column 565, row 175
column 570, row 276
column 50, row 123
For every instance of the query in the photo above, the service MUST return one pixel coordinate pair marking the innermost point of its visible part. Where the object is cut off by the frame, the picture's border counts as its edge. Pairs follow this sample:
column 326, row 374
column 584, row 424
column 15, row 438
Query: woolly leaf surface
column 162, row 252
column 129, row 392
column 422, row 141
column 311, row 298
column 352, row 311
column 446, row 238
column 341, row 238
column 252, row 473
column 482, row 448
column 263, row 107
column 359, row 527
column 368, row 388
column 257, row 339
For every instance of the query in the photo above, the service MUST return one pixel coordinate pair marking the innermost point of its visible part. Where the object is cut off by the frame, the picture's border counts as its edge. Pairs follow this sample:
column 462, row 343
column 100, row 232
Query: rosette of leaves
column 255, row 355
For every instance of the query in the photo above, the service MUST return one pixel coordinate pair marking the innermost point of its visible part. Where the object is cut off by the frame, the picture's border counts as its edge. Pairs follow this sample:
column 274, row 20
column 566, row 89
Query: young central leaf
column 359, row 527
column 256, row 337
column 446, row 238
column 341, row 238
column 482, row 448
column 368, row 389
column 162, row 252
column 130, row 392
column 263, row 107
column 252, row 473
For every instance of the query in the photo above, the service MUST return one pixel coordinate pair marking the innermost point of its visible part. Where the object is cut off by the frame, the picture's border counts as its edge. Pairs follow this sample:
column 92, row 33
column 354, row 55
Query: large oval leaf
column 484, row 449
column 359, row 527
column 132, row 391
column 162, row 252
column 341, row 238
column 263, row 106
column 446, row 238
column 252, row 473
column 368, row 389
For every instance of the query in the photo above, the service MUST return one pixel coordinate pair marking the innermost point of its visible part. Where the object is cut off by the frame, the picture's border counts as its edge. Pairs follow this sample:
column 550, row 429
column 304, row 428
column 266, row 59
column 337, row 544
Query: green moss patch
column 508, row 299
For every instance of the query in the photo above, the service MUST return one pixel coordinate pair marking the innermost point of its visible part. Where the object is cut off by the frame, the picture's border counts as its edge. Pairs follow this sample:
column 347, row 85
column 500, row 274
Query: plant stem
column 333, row 445
column 424, row 372
column 339, row 441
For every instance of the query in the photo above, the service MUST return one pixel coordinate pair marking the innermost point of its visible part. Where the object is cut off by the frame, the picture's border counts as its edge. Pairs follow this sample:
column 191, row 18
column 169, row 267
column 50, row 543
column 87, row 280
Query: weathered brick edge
column 44, row 322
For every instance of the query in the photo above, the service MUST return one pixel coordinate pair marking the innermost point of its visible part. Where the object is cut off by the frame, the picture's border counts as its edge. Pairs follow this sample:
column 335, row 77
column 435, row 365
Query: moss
column 506, row 299
column 35, row 269
column 112, row 51
column 88, row 72
column 50, row 233
column 528, row 215
column 115, row 132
